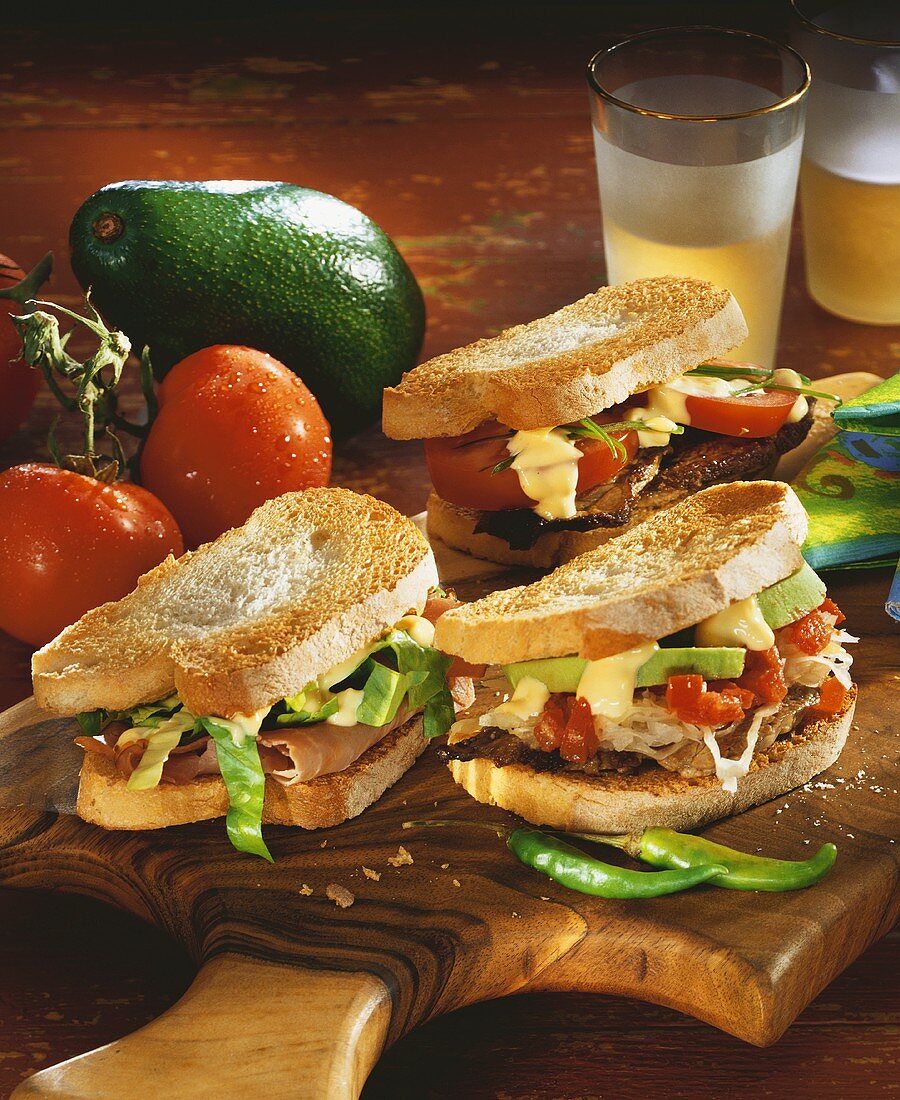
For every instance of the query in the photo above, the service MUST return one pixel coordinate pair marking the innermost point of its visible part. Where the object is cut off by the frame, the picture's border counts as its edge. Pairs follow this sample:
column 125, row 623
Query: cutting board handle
column 279, row 1030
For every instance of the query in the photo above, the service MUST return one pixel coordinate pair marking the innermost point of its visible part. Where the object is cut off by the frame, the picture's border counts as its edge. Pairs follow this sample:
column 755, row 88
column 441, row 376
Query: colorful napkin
column 876, row 411
column 854, row 508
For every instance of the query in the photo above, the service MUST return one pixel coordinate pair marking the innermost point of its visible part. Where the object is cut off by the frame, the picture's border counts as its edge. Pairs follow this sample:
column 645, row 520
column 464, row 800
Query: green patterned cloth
column 854, row 508
column 876, row 411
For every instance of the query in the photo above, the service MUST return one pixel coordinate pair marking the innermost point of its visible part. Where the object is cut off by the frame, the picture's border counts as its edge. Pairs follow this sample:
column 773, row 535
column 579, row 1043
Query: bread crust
column 676, row 568
column 578, row 361
column 242, row 622
column 613, row 803
column 104, row 798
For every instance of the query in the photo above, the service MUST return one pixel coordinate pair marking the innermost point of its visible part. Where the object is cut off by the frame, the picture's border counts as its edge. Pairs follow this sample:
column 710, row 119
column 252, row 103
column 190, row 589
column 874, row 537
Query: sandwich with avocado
column 284, row 673
column 690, row 669
column 555, row 436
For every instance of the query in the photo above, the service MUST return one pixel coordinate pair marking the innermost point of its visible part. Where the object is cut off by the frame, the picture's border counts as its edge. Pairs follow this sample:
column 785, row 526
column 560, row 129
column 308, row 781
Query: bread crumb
column 444, row 866
column 401, row 858
column 456, row 882
column 324, row 842
column 340, row 895
column 305, row 890
column 373, row 875
column 543, row 898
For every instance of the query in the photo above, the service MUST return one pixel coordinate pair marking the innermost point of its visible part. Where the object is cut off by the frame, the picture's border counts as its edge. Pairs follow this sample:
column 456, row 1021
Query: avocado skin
column 273, row 266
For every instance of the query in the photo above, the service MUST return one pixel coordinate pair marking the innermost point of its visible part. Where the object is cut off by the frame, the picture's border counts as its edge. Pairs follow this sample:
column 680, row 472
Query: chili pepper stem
column 626, row 842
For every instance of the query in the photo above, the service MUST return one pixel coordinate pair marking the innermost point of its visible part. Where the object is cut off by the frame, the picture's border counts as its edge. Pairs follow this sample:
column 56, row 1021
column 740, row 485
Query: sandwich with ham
column 284, row 673
column 690, row 669
column 558, row 435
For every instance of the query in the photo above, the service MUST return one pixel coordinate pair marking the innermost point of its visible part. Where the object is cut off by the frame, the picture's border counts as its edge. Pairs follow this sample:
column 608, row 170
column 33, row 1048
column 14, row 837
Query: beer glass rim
column 811, row 24
column 671, row 32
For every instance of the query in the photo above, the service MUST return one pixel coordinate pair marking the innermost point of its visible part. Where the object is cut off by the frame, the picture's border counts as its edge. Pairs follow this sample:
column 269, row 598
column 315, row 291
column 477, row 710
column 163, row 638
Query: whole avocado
column 179, row 266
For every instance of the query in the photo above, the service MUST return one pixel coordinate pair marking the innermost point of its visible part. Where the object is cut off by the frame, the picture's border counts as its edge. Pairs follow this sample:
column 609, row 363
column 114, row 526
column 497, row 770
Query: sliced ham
column 300, row 753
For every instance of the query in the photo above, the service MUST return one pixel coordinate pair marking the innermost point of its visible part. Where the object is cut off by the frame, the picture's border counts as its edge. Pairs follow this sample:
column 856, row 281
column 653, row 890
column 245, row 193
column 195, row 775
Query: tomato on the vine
column 235, row 428
column 69, row 543
column 461, row 466
column 18, row 382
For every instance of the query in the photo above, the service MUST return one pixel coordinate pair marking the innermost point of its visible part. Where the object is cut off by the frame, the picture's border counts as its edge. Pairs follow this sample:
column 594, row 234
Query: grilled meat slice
column 656, row 478
column 503, row 749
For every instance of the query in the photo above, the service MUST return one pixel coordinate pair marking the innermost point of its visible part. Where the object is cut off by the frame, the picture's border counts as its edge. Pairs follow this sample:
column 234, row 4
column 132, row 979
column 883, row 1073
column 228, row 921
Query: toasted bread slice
column 587, row 356
column 250, row 618
column 104, row 798
column 613, row 803
column 676, row 568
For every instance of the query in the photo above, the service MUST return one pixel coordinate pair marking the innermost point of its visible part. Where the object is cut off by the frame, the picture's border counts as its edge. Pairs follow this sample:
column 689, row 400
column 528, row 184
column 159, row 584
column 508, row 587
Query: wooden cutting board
column 297, row 996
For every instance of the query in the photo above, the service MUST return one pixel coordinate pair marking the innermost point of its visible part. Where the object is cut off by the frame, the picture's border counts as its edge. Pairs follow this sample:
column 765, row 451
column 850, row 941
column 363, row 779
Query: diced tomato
column 763, row 675
column 566, row 724
column 579, row 741
column 832, row 694
column 461, row 466
column 551, row 725
column 689, row 698
column 829, row 607
column 811, row 633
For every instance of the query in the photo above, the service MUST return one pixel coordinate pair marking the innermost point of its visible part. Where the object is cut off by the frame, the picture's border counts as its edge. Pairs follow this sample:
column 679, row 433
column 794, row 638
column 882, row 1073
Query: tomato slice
column 460, row 467
column 749, row 417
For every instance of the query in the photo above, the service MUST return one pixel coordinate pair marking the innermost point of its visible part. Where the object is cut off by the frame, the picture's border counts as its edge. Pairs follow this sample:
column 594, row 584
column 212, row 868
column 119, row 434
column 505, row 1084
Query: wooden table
column 465, row 134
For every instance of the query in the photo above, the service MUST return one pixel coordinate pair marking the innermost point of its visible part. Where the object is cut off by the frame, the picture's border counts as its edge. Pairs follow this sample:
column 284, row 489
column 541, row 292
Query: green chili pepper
column 680, row 851
column 572, row 868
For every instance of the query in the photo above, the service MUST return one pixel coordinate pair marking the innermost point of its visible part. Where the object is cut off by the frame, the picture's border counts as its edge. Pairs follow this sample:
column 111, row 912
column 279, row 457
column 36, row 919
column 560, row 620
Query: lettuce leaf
column 383, row 694
column 93, row 722
column 440, row 714
column 302, row 717
column 245, row 782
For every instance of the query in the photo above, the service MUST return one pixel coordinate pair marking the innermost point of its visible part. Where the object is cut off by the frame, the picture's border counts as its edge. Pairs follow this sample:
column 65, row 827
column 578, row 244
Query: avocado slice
column 180, row 265
column 563, row 673
column 791, row 598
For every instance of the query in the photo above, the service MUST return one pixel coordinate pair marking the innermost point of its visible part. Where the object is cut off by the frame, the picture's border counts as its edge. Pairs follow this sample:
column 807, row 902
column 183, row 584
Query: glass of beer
column 698, row 134
column 850, row 173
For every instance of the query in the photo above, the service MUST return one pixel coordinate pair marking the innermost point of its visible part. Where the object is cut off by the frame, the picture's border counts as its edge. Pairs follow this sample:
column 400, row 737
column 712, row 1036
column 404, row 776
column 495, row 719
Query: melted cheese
column 420, row 630
column 340, row 672
column 528, row 700
column 547, row 464
column 241, row 726
column 742, row 624
column 608, row 684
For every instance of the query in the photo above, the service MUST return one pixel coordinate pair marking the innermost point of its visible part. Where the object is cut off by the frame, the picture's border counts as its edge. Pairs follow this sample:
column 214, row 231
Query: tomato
column 832, row 694
column 750, row 417
column 551, row 725
column 69, row 543
column 460, row 467
column 829, row 607
column 235, row 428
column 764, row 675
column 566, row 724
column 18, row 382
column 689, row 698
column 811, row 633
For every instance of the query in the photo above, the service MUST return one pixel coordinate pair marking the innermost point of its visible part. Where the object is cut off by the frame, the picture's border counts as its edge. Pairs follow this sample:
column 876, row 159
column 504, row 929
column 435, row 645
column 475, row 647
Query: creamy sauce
column 784, row 376
column 420, row 630
column 528, row 700
column 742, row 624
column 607, row 685
column 662, row 428
column 547, row 465
column 241, row 726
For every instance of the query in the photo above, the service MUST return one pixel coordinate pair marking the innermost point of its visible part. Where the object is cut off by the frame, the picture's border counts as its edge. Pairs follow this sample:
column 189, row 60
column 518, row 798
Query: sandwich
column 556, row 436
column 690, row 669
column 284, row 673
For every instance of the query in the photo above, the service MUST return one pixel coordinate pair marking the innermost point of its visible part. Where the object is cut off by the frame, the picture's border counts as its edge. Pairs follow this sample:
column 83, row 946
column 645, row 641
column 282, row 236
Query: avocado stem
column 108, row 227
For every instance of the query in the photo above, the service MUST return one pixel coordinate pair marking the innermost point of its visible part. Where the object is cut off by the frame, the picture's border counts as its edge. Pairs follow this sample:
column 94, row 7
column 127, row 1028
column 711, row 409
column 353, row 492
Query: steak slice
column 656, row 478
column 503, row 749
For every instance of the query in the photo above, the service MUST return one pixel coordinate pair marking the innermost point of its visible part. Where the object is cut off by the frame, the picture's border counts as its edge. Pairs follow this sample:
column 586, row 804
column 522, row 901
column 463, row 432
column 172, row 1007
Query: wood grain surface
column 467, row 138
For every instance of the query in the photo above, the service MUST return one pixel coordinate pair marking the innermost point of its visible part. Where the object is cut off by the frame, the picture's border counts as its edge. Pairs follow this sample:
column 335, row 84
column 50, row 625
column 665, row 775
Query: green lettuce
column 245, row 782
column 303, row 717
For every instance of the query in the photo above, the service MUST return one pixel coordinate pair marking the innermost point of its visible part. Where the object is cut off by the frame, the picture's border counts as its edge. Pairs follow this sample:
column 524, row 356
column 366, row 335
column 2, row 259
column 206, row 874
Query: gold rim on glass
column 669, row 32
column 809, row 21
